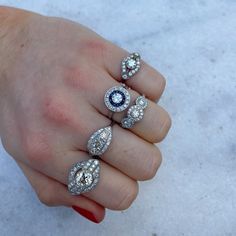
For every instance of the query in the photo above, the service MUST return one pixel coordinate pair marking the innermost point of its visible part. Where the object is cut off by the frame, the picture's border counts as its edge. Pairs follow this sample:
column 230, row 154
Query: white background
column 193, row 43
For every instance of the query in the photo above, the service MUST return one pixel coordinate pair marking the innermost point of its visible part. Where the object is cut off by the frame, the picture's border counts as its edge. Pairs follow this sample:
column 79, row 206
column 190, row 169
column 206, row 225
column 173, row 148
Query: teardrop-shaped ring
column 83, row 176
column 130, row 65
column 99, row 141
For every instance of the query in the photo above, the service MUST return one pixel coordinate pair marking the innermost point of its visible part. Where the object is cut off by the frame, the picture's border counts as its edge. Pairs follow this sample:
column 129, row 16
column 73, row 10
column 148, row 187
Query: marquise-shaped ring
column 135, row 112
column 130, row 65
column 83, row 176
column 99, row 141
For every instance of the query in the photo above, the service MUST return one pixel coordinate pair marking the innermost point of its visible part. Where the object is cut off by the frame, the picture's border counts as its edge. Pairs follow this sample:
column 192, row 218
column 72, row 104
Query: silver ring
column 83, row 176
column 130, row 65
column 135, row 112
column 99, row 141
column 117, row 98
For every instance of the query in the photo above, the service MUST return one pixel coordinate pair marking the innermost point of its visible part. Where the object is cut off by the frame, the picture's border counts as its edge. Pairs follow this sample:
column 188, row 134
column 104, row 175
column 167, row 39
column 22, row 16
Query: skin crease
column 53, row 76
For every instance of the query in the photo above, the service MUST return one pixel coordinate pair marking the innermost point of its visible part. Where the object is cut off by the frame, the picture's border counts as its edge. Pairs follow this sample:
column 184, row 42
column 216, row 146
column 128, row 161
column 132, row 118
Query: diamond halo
column 135, row 112
column 117, row 99
column 130, row 65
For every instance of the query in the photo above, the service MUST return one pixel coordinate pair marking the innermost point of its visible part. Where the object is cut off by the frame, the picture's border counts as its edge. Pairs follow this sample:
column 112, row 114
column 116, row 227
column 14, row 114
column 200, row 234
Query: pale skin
column 53, row 76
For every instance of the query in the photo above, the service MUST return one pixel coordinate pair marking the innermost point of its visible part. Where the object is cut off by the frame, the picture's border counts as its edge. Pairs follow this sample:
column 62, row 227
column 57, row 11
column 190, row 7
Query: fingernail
column 87, row 214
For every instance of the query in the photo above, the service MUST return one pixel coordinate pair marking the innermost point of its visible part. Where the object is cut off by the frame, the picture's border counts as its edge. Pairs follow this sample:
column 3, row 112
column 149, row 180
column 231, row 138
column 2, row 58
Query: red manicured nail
column 87, row 214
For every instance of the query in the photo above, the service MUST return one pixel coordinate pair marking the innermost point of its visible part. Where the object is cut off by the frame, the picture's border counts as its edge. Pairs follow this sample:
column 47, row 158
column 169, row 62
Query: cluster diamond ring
column 117, row 98
column 130, row 66
column 99, row 141
column 83, row 176
column 135, row 112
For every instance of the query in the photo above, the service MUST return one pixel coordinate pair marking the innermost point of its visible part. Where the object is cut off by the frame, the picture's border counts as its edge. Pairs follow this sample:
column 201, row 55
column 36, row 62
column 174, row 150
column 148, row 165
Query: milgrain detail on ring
column 99, row 141
column 141, row 101
column 83, row 176
column 127, row 122
column 135, row 113
column 130, row 65
column 117, row 98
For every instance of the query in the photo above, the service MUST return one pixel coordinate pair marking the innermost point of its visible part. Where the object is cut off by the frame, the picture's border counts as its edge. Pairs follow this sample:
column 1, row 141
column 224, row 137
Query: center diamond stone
column 117, row 98
column 83, row 177
column 135, row 113
column 131, row 64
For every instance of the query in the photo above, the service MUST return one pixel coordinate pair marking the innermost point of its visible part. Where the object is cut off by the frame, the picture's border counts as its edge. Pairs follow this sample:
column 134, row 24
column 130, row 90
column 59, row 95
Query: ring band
column 135, row 112
column 83, row 176
column 130, row 65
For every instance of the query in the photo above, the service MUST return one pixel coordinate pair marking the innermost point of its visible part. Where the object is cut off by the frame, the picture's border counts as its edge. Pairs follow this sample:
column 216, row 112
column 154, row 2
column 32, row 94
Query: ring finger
column 156, row 122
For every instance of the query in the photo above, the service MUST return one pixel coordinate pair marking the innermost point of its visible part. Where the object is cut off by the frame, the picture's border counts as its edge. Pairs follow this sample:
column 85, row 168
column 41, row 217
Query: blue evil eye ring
column 117, row 98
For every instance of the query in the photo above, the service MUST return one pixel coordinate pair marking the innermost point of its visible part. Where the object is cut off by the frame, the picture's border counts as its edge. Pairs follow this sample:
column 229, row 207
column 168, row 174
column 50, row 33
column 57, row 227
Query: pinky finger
column 52, row 193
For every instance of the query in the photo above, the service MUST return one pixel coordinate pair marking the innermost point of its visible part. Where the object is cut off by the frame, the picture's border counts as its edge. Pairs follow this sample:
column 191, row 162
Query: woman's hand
column 53, row 76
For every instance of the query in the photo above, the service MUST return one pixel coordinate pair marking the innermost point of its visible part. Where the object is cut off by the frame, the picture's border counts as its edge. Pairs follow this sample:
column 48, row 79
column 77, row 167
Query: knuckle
column 126, row 197
column 154, row 162
column 165, row 127
column 94, row 47
column 162, row 84
column 158, row 84
column 164, row 124
column 76, row 77
column 56, row 110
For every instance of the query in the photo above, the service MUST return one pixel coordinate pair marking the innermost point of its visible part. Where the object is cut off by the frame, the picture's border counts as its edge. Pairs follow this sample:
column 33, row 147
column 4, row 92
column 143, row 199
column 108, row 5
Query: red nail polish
column 87, row 214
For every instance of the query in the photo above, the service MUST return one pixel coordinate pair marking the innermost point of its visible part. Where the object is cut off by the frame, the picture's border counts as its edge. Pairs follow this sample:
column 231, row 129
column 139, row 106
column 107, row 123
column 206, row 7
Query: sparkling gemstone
column 83, row 177
column 117, row 98
column 142, row 101
column 99, row 141
column 97, row 144
column 131, row 63
column 135, row 114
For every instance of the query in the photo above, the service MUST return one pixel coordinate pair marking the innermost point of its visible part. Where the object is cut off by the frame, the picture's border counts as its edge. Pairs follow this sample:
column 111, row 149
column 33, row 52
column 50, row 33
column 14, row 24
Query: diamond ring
column 99, row 141
column 130, row 66
column 117, row 98
column 135, row 113
column 83, row 176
